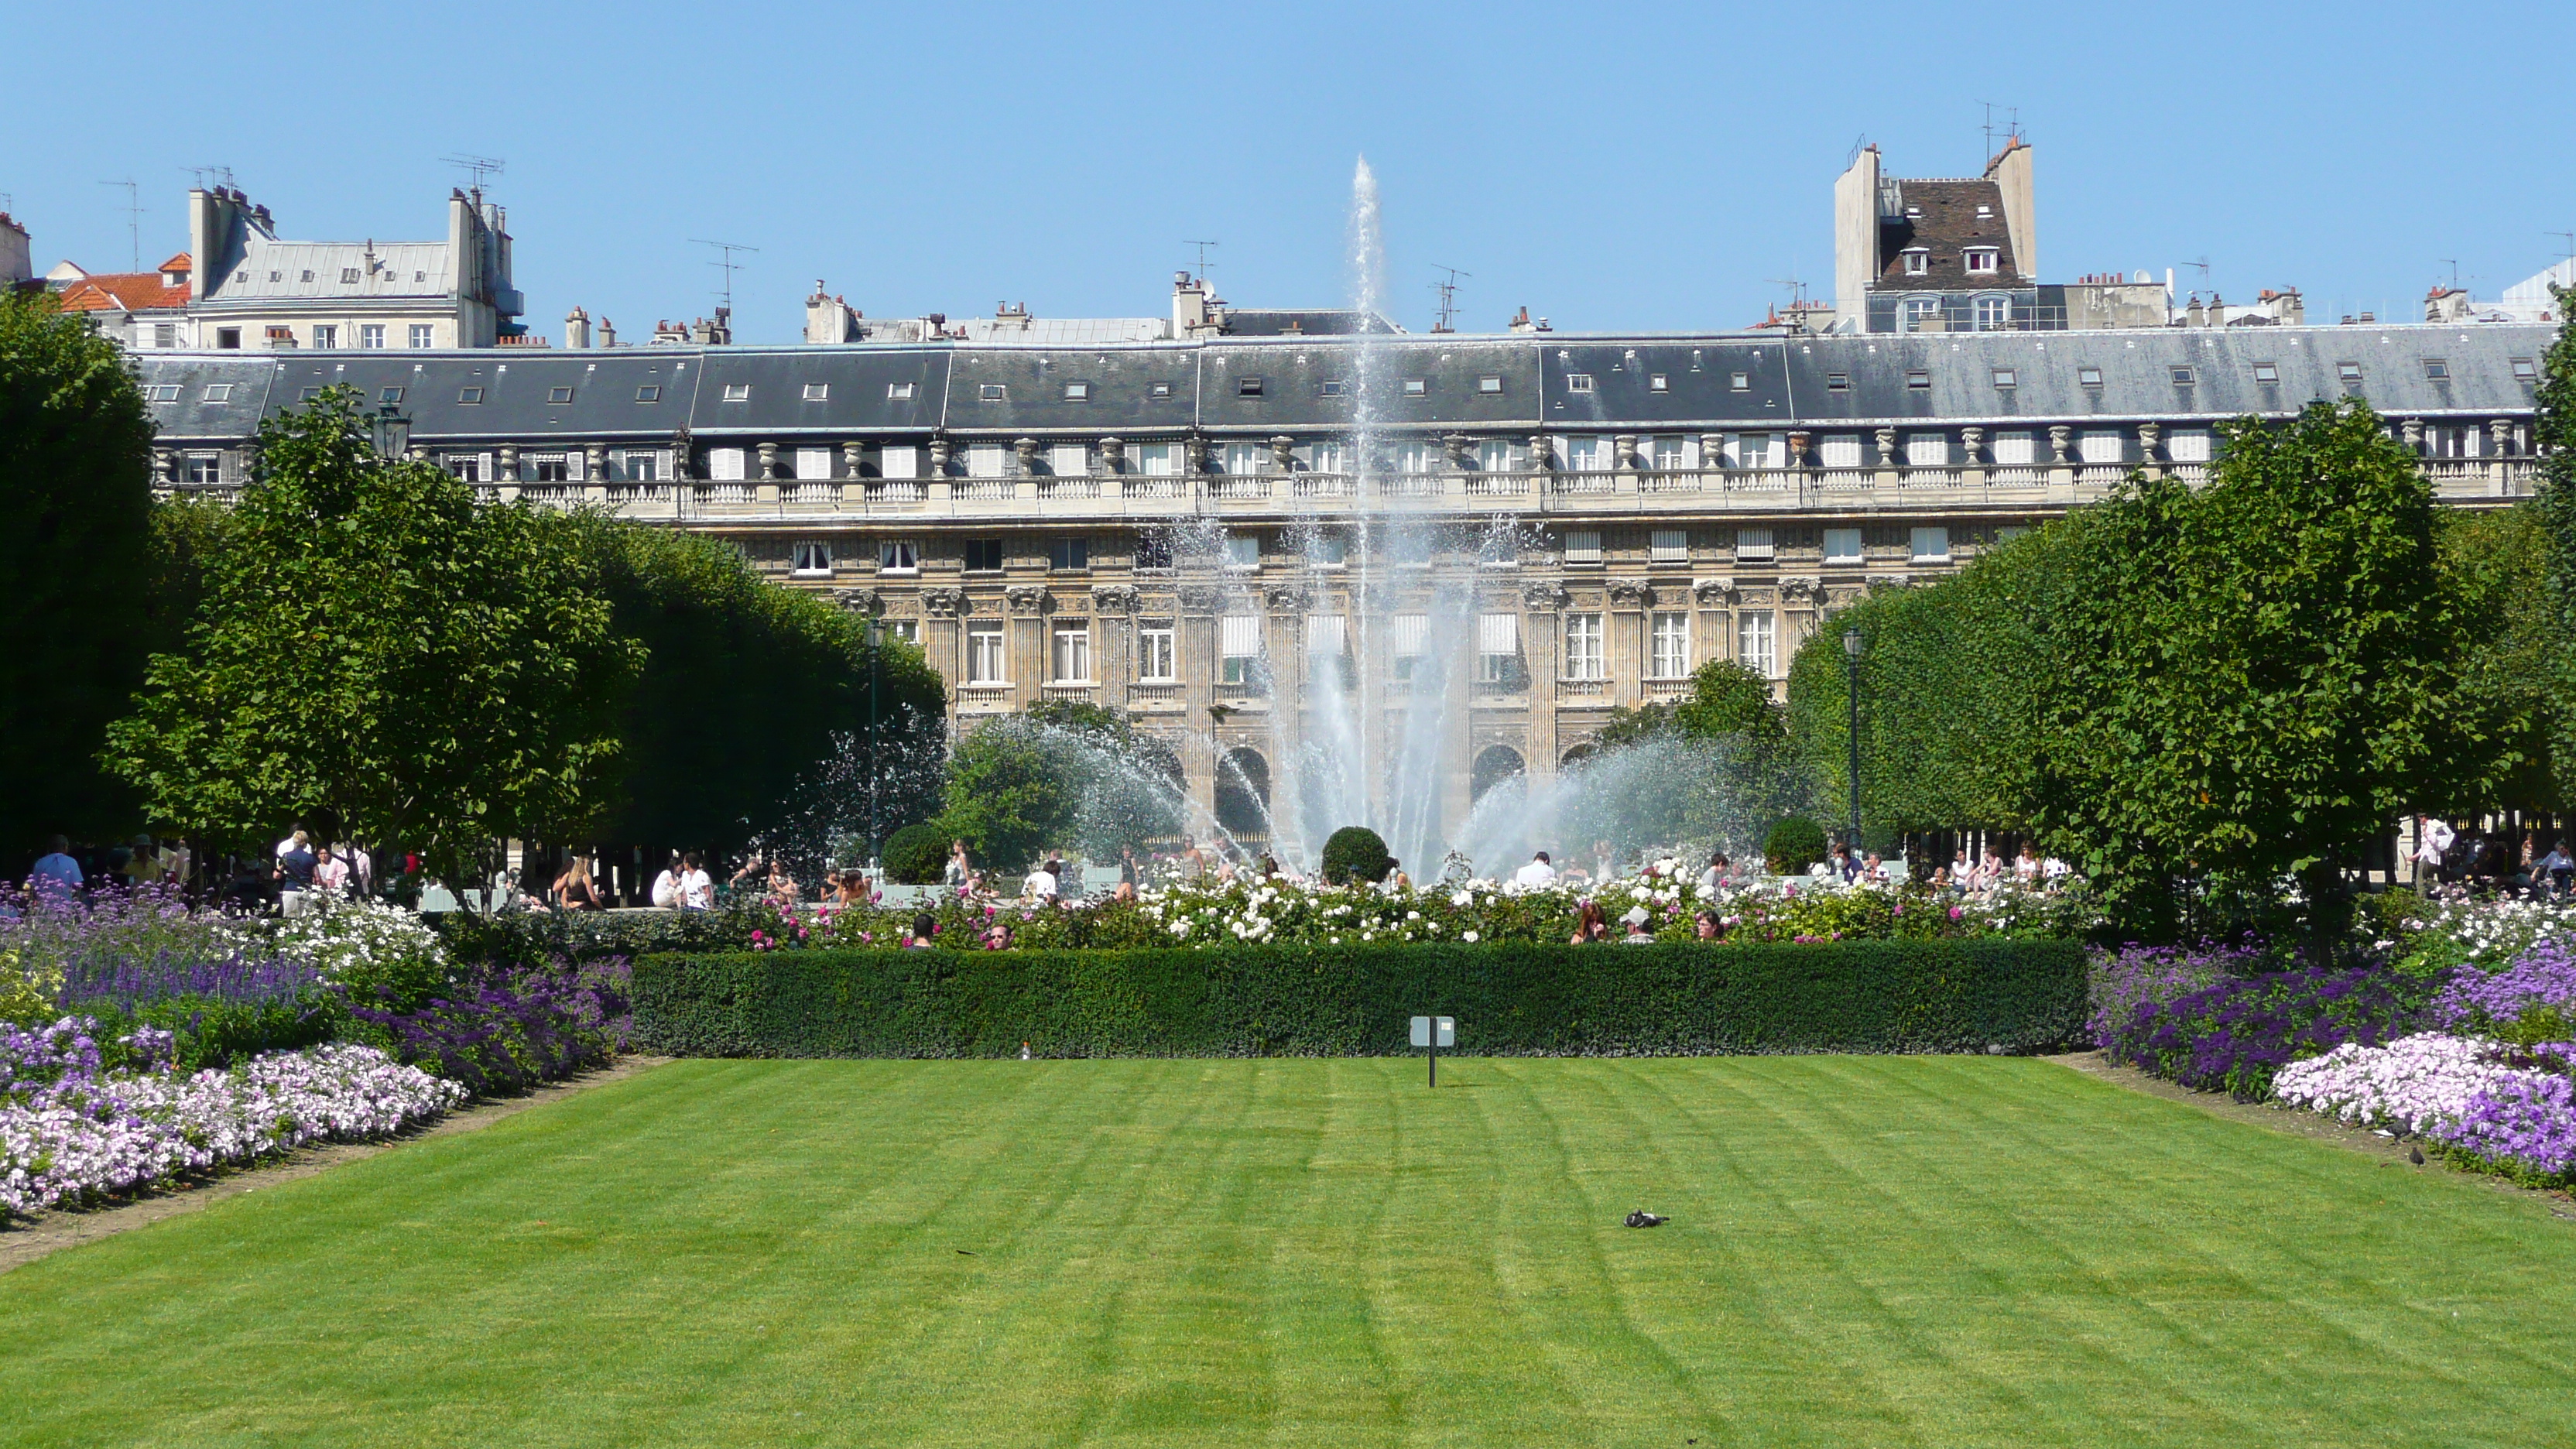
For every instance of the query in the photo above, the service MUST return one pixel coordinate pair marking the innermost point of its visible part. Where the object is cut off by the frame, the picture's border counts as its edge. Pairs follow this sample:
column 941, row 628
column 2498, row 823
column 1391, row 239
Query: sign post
column 1435, row 1032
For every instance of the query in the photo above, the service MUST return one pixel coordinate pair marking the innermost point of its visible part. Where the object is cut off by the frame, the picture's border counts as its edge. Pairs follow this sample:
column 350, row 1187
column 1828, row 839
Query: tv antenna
column 220, row 174
column 481, row 168
column 133, row 217
column 2454, row 264
column 729, row 265
column 1797, row 288
column 1448, row 290
column 2011, row 128
column 2569, row 237
column 1203, row 261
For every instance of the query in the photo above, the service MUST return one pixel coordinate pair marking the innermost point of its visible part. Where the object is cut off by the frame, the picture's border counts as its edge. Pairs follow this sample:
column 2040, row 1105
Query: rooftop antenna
column 204, row 174
column 2570, row 237
column 133, row 218
column 2454, row 264
column 729, row 265
column 1203, row 261
column 1859, row 144
column 2011, row 128
column 1448, row 290
column 481, row 168
column 1797, row 288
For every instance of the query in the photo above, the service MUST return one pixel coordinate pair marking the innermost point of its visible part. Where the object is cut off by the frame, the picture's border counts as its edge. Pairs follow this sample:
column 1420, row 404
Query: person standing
column 295, row 876
column 56, row 873
column 960, row 866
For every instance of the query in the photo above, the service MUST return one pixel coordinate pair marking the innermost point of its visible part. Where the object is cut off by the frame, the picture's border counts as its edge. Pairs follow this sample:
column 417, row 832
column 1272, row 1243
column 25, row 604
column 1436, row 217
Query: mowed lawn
column 1863, row 1251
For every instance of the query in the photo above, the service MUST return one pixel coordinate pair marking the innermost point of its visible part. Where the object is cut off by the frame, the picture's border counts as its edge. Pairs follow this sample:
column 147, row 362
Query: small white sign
column 1425, row 1026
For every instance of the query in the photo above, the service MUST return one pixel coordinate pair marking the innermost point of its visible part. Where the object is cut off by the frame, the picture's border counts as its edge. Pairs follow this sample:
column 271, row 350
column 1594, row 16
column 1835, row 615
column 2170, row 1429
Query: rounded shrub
column 1792, row 846
column 1355, row 853
column 916, row 855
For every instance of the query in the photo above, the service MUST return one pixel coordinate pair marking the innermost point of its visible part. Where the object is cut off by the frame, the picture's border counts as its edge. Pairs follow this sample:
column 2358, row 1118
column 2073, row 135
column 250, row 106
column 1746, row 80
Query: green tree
column 751, row 717
column 2253, row 681
column 380, row 656
column 2499, row 561
column 1060, row 773
column 2554, row 434
column 75, row 569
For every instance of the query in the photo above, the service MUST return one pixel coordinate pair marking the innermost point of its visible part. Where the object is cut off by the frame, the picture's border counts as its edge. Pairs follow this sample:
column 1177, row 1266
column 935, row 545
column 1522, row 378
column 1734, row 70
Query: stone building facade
column 1217, row 535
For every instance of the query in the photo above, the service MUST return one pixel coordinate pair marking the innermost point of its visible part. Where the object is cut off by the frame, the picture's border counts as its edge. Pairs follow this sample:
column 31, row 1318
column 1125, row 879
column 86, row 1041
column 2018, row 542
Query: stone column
column 1195, row 641
column 1113, row 641
column 1623, row 629
column 1712, row 632
column 943, row 636
column 1030, row 662
column 1543, row 646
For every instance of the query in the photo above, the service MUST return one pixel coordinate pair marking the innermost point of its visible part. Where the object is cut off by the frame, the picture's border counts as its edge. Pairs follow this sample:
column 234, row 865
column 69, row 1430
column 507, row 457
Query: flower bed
column 2235, row 1035
column 2490, row 1105
column 73, row 1129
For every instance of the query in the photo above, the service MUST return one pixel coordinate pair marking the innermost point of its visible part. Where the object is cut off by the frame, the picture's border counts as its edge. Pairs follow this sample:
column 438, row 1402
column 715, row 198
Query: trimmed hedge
column 1509, row 999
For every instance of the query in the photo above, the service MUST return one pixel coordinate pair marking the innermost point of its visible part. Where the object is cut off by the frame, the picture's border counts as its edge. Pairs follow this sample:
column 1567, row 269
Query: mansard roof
column 1494, row 383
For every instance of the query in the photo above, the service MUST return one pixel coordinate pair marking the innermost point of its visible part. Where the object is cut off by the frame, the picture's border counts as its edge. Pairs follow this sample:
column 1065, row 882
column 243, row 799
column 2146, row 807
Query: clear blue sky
column 1611, row 167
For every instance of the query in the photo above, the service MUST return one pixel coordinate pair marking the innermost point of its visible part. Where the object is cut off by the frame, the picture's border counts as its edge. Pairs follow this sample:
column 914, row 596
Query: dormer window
column 1917, row 261
column 737, row 392
column 348, row 276
column 1982, row 261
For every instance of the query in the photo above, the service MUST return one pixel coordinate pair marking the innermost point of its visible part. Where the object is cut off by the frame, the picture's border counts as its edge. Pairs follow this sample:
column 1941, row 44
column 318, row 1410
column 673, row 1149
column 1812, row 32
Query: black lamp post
column 1851, row 666
column 392, row 432
column 876, row 649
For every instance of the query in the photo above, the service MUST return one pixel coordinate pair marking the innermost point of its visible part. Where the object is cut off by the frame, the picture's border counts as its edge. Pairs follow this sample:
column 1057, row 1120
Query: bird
column 1644, row 1219
column 2415, row 1155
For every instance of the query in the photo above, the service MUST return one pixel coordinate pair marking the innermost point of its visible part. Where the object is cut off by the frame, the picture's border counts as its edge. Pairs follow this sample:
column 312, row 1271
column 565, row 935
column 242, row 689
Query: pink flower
column 1955, row 913
column 1900, row 908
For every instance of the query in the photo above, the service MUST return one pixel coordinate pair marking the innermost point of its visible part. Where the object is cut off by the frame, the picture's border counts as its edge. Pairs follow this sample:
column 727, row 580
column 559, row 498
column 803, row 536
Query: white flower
column 1413, row 915
column 1467, row 936
column 1463, row 898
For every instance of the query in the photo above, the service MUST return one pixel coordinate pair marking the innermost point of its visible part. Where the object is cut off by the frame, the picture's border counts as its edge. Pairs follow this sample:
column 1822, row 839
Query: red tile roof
column 127, row 291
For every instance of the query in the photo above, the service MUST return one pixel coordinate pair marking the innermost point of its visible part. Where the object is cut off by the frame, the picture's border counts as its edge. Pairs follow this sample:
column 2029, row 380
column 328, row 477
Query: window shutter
column 1239, row 636
column 1498, row 634
column 1325, row 633
column 1408, row 633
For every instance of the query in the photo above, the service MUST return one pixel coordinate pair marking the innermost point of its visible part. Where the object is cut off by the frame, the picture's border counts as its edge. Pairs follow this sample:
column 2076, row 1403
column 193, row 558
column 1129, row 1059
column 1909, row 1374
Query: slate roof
column 385, row 270
column 1788, row 382
column 1948, row 226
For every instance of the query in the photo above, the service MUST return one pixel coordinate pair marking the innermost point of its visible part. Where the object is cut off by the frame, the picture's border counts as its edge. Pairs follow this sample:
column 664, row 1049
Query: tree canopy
column 380, row 656
column 76, row 569
column 1060, row 773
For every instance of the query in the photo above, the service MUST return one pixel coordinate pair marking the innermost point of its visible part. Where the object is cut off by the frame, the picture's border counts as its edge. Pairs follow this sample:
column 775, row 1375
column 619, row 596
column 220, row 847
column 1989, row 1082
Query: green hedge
column 1510, row 1000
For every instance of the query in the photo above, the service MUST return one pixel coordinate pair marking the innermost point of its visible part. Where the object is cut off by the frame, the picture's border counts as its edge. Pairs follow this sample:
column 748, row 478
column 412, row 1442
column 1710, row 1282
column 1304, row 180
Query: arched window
column 1494, row 765
column 1243, row 794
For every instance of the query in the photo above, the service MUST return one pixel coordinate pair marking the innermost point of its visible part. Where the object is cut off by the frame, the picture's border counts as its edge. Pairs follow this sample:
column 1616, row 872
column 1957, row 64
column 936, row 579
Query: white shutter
column 903, row 462
column 2189, row 445
column 984, row 460
column 1408, row 633
column 1927, row 450
column 813, row 465
column 1325, row 633
column 1842, row 450
column 1583, row 545
column 1239, row 636
column 2014, row 450
column 1498, row 634
column 1753, row 543
column 1069, row 460
column 724, row 465
column 1668, row 545
column 2101, row 447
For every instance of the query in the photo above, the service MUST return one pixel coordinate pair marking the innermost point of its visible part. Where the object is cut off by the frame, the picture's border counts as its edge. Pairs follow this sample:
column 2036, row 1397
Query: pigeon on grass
column 1643, row 1219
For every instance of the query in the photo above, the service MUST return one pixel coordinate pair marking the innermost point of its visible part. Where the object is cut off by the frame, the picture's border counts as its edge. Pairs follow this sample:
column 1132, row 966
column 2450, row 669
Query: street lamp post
column 1851, row 667
column 876, row 649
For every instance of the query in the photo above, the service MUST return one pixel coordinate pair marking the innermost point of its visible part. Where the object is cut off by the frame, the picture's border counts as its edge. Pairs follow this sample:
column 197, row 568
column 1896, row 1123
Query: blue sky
column 1614, row 168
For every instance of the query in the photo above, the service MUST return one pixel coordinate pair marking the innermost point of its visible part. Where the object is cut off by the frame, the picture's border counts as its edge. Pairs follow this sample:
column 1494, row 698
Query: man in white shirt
column 1537, row 873
column 1040, row 884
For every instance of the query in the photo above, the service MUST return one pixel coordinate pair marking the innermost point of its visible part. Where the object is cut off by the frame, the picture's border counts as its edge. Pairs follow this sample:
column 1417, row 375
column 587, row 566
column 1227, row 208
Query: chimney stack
column 576, row 328
column 607, row 332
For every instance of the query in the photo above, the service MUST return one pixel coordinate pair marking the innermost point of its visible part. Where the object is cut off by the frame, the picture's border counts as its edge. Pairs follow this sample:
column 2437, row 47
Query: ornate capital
column 1714, row 593
column 1113, row 598
column 857, row 601
column 1797, row 592
column 1890, row 583
column 1546, row 596
column 944, row 603
column 1627, row 593
column 1025, row 598
column 1202, row 598
column 1285, row 599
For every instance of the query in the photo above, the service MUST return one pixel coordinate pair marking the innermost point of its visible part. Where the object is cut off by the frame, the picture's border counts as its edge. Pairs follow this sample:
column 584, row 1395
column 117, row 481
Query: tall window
column 1069, row 555
column 1754, row 648
column 1154, row 460
column 1243, row 550
column 813, row 558
column 898, row 556
column 1069, row 460
column 1922, row 314
column 1153, row 549
column 549, row 468
column 984, row 654
column 202, row 468
column 1583, row 545
column 1500, row 455
column 1587, row 455
column 1583, row 655
column 1244, row 459
column 1669, row 655
column 1154, row 654
column 1840, row 450
column 1671, row 455
column 1757, row 450
column 423, row 335
column 1753, row 543
column 984, row 460
column 1993, row 313
column 1073, row 656
column 325, row 335
column 1324, row 457
column 1498, row 648
column 371, row 335
column 1931, row 545
column 984, row 555
column 1407, row 641
column 1238, row 648
column 641, row 465
column 813, row 464
column 899, row 462
column 1842, row 545
column 1668, row 545
column 1417, row 457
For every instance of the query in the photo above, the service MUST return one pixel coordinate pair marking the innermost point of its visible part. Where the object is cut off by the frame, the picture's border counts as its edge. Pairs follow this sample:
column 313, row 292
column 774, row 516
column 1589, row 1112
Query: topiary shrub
column 1792, row 846
column 1356, row 854
column 916, row 855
